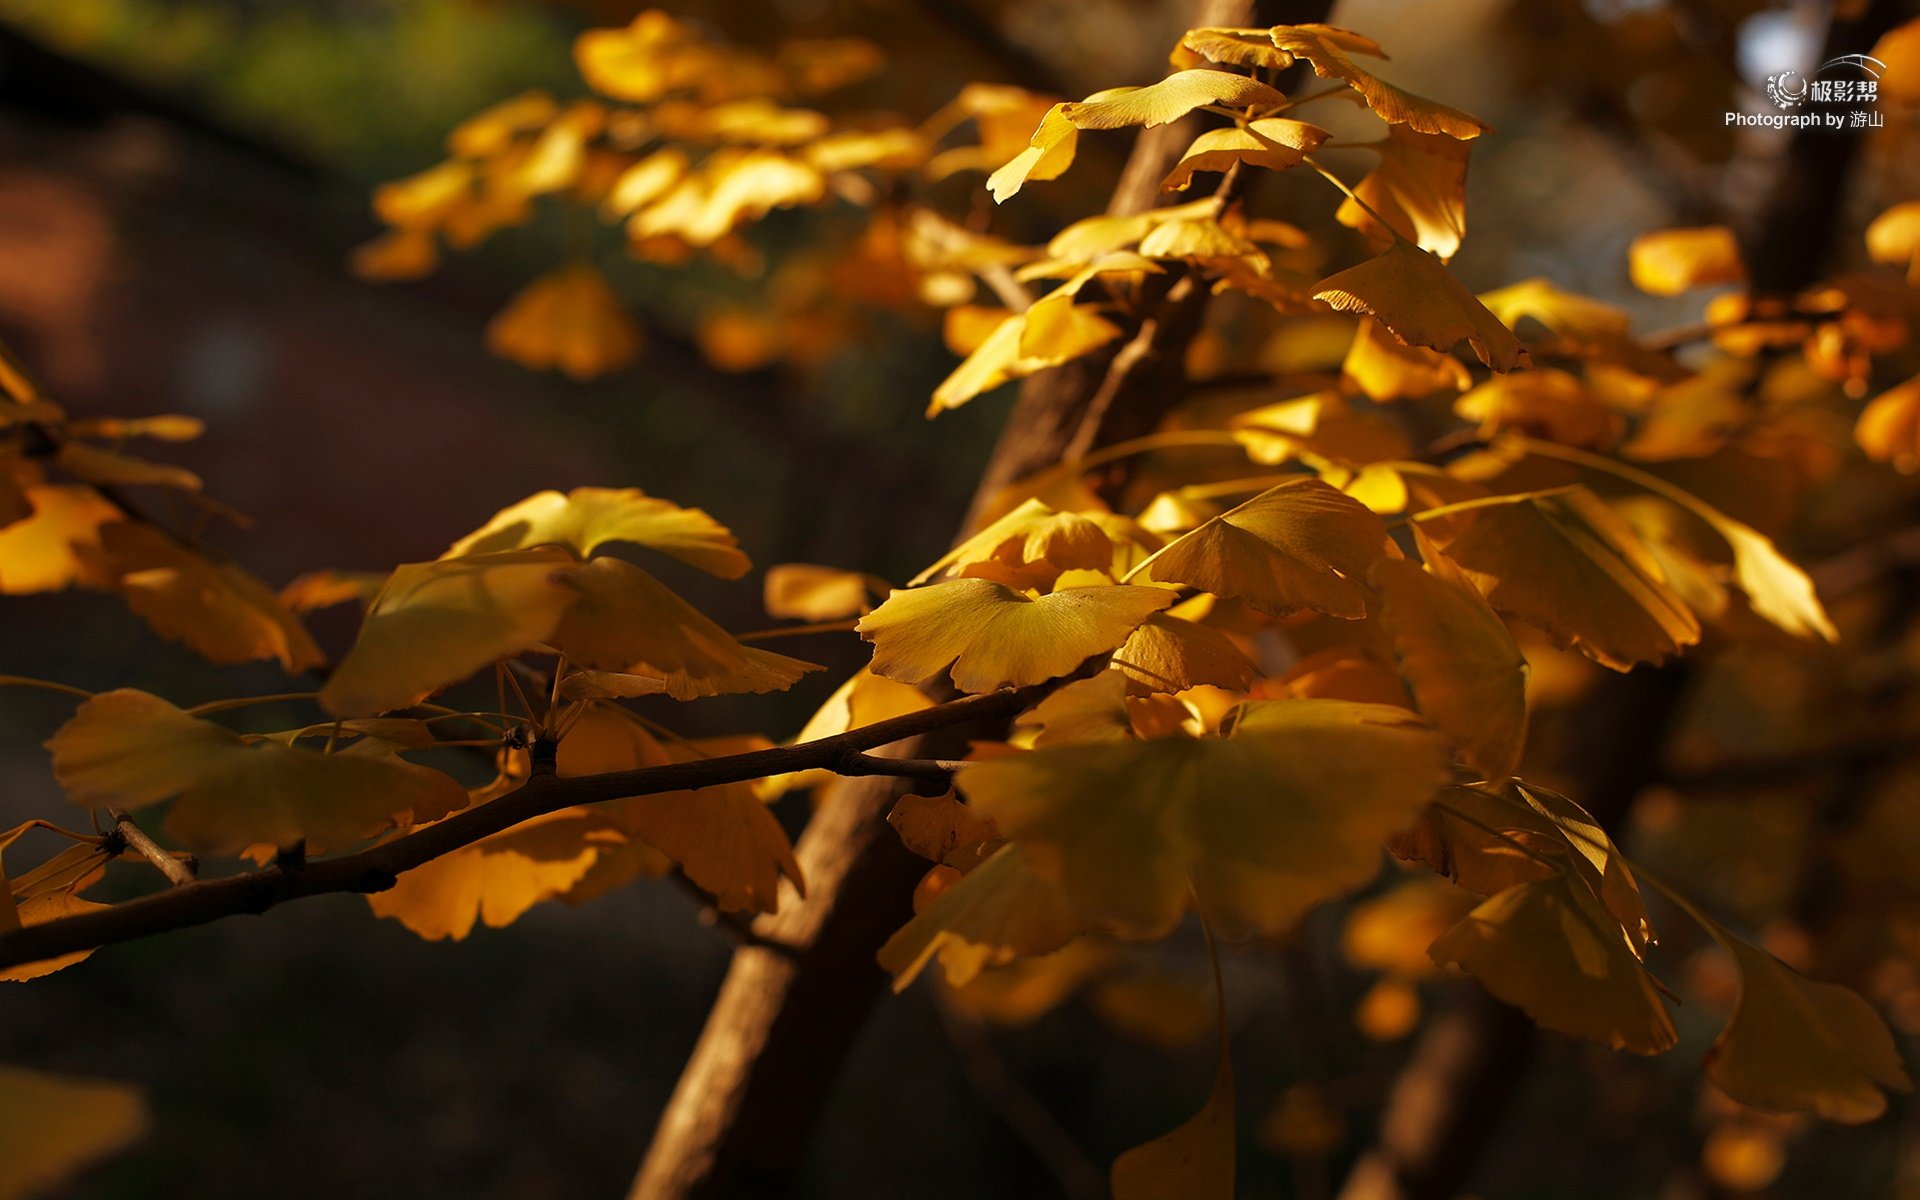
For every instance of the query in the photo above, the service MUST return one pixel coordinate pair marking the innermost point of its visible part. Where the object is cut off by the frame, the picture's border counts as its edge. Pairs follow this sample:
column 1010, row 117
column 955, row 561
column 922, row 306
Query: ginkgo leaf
column 1299, row 545
column 994, row 637
column 98, row 466
column 1673, row 261
column 1289, row 811
column 436, row 623
column 588, row 518
column 1419, row 188
column 1566, row 313
column 52, row 1126
column 1275, row 143
column 569, row 320
column 1169, row 100
column 1194, row 1161
column 1087, row 710
column 1033, row 533
column 1327, row 48
column 1000, row 910
column 1232, row 47
column 1545, row 402
column 37, row 910
column 1458, row 659
column 1550, row 949
column 624, row 619
column 1047, row 155
column 1894, row 237
column 221, row 611
column 1386, row 368
column 806, row 592
column 497, row 878
column 1488, row 839
column 131, row 749
column 723, row 837
column 1069, row 331
column 1795, row 1044
column 1410, row 292
column 864, row 699
column 57, row 546
column 1888, row 431
column 1564, row 562
column 939, row 827
column 1170, row 654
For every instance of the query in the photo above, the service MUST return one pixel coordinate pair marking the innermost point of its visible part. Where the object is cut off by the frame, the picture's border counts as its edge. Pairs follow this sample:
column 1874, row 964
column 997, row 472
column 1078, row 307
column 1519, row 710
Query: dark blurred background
column 181, row 182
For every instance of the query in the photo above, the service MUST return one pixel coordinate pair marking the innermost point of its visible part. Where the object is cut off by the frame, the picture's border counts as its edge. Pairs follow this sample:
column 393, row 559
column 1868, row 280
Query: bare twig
column 178, row 872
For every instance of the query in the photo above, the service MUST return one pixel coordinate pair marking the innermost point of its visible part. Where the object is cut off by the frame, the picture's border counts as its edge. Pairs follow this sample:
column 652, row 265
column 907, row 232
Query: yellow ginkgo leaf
column 496, row 128
column 437, row 623
column 221, row 611
column 1386, row 368
column 1193, row 1162
column 1566, row 563
column 1673, row 261
column 400, row 254
column 497, row 878
column 1230, row 47
column 131, row 749
column 994, row 637
column 52, row 1126
column 644, row 182
column 1170, row 654
column 1565, row 313
column 1545, row 402
column 588, row 518
column 1033, row 534
column 1302, row 544
column 938, row 828
column 109, row 467
column 1888, row 431
column 1066, row 331
column 805, row 592
column 570, row 320
column 623, row 619
column 1327, row 48
column 57, row 545
column 723, row 837
column 1419, row 188
column 1000, row 910
column 1550, row 949
column 1488, row 839
column 1169, row 100
column 1086, row 710
column 639, row 62
column 1798, row 1045
column 1894, row 237
column 1417, row 298
column 1048, row 154
column 864, row 699
column 37, row 910
column 1458, row 659
column 1275, row 143
column 1287, row 812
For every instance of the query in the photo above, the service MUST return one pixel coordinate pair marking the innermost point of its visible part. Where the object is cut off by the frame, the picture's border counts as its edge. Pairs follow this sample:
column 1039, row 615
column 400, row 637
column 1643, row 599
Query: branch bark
column 375, row 869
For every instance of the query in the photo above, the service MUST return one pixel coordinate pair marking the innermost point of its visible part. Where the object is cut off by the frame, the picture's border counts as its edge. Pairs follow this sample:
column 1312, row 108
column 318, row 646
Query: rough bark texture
column 1447, row 1104
column 785, row 1019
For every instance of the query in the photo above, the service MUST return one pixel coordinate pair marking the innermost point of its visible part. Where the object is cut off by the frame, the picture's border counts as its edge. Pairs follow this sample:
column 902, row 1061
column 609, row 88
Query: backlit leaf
column 1327, row 49
column 588, row 518
column 1676, row 260
column 1169, row 100
column 1410, row 292
column 994, row 637
column 1299, row 545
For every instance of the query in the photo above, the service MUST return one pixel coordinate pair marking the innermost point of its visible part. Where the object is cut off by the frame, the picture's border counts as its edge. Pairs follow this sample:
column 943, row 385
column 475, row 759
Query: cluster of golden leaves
column 1307, row 631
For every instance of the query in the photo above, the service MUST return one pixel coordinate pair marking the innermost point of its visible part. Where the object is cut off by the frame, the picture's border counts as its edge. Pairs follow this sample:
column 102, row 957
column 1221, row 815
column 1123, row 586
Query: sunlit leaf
column 1673, row 261
column 1299, row 545
column 1288, row 811
column 588, row 518
column 1419, row 188
column 567, row 320
column 992, row 636
column 1410, row 292
column 1327, row 49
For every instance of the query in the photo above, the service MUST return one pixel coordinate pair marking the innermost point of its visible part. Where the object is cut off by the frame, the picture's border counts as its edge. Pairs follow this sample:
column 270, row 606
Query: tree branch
column 375, row 869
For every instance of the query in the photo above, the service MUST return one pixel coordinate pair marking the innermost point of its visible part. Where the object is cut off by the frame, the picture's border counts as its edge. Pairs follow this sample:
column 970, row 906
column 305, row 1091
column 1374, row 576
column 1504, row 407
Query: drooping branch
column 375, row 869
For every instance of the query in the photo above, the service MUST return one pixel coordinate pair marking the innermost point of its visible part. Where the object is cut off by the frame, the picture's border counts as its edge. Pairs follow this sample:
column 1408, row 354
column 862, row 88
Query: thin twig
column 178, row 873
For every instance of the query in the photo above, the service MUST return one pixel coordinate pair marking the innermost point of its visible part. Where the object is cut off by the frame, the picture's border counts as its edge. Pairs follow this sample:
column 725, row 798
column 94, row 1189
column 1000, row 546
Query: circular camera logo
column 1787, row 90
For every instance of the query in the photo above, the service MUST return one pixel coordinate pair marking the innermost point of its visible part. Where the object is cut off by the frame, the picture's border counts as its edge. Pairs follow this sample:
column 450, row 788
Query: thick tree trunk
column 791, row 1005
column 1447, row 1104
